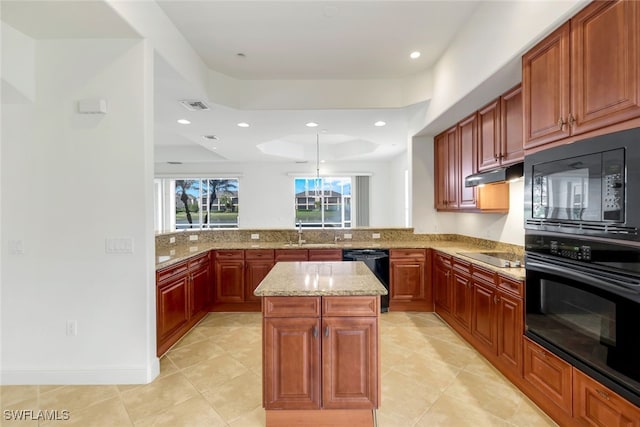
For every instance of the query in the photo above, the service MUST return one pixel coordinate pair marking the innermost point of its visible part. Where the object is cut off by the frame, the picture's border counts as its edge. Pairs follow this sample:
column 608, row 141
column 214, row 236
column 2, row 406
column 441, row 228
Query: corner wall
column 70, row 182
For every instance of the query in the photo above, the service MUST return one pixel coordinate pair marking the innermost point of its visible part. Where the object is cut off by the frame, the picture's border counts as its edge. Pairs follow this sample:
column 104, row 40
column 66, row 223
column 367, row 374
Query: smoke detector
column 194, row 105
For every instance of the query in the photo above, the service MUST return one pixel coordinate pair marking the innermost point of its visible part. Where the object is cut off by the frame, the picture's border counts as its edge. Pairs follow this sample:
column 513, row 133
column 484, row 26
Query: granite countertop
column 166, row 258
column 311, row 278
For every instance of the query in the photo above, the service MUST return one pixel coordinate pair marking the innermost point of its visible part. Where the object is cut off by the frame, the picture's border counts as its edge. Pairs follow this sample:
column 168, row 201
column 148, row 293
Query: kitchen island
column 321, row 363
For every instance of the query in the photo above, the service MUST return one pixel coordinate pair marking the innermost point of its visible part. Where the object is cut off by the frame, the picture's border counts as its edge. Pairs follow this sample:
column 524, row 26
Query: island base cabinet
column 292, row 357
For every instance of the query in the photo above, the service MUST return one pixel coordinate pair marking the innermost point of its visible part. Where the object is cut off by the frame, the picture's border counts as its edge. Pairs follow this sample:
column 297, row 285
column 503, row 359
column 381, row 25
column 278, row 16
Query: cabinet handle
column 603, row 394
column 496, row 299
column 571, row 120
column 326, row 331
column 315, row 332
column 542, row 353
column 561, row 123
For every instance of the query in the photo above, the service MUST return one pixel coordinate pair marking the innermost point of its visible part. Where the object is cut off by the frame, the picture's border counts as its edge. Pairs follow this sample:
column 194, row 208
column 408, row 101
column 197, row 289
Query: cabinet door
column 467, row 131
column 172, row 301
column 350, row 363
column 545, row 89
column 407, row 280
column 462, row 299
column 441, row 170
column 229, row 281
column 489, row 136
column 453, row 169
column 201, row 290
column 605, row 87
column 548, row 374
column 596, row 405
column 291, row 363
column 510, row 330
column 256, row 271
column 442, row 283
column 511, row 123
column 483, row 324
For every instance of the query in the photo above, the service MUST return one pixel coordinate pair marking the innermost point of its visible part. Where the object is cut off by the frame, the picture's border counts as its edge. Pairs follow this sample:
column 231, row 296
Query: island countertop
column 311, row 278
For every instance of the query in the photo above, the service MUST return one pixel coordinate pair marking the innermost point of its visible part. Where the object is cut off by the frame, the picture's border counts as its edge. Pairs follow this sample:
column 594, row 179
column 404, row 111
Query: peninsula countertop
column 311, row 278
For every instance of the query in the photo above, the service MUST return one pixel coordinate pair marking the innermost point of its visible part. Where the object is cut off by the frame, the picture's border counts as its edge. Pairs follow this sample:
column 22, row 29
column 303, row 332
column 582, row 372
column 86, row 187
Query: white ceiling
column 280, row 40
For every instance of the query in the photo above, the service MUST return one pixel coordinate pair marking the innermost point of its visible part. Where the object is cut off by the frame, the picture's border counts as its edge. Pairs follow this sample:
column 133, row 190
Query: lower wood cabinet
column 321, row 352
column 442, row 288
column 183, row 297
column 325, row 254
column 462, row 293
column 597, row 405
column 258, row 263
column 408, row 284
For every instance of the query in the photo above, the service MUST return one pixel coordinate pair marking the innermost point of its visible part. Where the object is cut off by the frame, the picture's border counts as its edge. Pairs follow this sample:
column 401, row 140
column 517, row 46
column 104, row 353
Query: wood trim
column 291, row 306
column 320, row 418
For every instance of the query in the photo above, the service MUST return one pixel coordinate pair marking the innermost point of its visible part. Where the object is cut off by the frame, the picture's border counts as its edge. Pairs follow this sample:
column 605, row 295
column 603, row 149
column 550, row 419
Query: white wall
column 267, row 191
column 70, row 181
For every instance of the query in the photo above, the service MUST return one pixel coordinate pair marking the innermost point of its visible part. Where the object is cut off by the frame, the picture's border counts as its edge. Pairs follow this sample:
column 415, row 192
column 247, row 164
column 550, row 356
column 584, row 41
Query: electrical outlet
column 118, row 245
column 172, row 239
column 193, row 237
column 347, row 235
column 193, row 249
column 255, row 236
column 72, row 328
column 375, row 236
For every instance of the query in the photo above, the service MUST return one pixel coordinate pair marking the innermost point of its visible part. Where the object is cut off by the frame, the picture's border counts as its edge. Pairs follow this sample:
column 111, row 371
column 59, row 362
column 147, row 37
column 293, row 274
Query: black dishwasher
column 378, row 262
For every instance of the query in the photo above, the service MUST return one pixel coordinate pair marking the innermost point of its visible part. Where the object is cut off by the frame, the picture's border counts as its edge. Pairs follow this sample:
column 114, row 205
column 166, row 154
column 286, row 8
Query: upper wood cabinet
column 447, row 169
column 489, row 136
column 468, row 137
column 585, row 75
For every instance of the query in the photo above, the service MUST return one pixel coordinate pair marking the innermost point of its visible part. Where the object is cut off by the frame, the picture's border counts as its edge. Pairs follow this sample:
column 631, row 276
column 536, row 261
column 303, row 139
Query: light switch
column 193, row 237
column 118, row 245
column 255, row 236
column 375, row 236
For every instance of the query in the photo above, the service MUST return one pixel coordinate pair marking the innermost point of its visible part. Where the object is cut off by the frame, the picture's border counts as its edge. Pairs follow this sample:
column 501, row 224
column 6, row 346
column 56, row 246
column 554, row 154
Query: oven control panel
column 579, row 253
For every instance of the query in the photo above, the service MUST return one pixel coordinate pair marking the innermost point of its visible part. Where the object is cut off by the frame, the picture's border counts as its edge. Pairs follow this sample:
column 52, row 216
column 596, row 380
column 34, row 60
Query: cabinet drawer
column 461, row 265
column 291, row 306
column 230, row 254
column 168, row 272
column 408, row 253
column 443, row 259
column 351, row 306
column 198, row 261
column 515, row 287
column 325, row 254
column 258, row 254
column 479, row 273
column 549, row 374
column 291, row 254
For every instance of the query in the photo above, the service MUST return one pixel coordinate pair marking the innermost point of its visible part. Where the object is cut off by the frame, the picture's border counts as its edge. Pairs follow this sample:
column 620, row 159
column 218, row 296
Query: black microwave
column 590, row 187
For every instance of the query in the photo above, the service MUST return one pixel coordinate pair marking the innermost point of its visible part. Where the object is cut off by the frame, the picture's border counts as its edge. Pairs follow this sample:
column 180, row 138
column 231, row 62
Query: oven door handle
column 584, row 277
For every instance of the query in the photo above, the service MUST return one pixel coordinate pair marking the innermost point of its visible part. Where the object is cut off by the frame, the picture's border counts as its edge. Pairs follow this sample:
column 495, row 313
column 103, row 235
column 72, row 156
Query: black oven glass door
column 582, row 188
column 592, row 316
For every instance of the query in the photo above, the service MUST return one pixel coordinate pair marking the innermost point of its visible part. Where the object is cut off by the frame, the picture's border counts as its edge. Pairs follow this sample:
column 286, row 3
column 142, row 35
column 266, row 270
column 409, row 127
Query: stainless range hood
column 496, row 175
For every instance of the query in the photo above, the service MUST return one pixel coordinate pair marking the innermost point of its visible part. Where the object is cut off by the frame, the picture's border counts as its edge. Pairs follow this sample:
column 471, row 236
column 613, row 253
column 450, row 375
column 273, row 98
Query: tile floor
column 430, row 377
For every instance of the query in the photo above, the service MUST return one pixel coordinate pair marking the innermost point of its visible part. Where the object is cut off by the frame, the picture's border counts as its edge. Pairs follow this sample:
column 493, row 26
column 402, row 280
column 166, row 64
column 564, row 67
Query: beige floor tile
column 450, row 412
column 450, row 353
column 405, row 397
column 240, row 340
column 528, row 414
column 255, row 418
column 495, row 395
column 22, row 413
column 208, row 375
column 433, row 372
column 189, row 355
column 48, row 388
column 237, row 396
column 195, row 412
column 12, row 394
column 158, row 396
column 194, row 336
column 108, row 413
column 74, row 398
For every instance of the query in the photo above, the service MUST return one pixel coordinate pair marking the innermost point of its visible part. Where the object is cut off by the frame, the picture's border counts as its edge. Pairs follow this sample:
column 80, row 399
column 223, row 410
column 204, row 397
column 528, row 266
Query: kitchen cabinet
column 510, row 324
column 500, row 131
column 325, row 254
column 442, row 288
column 408, row 280
column 468, row 133
column 549, row 375
column 320, row 352
column 483, row 317
column 462, row 292
column 585, row 75
column 291, row 255
column 597, row 405
column 183, row 297
column 446, row 169
column 229, row 268
column 258, row 262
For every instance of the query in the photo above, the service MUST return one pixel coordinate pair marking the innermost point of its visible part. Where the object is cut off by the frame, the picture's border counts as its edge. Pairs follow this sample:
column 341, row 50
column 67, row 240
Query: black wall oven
column 589, row 187
column 583, row 304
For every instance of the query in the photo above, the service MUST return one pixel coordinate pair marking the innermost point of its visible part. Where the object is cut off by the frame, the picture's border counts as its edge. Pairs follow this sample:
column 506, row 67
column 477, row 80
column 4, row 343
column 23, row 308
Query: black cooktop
column 497, row 259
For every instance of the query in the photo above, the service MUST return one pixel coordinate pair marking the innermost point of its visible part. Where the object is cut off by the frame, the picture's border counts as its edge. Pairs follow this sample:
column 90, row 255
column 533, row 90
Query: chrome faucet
column 300, row 241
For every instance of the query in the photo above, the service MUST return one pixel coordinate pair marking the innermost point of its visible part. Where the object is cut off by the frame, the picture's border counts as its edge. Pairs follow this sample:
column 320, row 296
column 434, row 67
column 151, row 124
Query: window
column 200, row 203
column 323, row 202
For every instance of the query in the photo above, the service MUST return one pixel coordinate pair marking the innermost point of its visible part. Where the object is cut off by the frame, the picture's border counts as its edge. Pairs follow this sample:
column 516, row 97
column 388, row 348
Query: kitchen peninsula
column 321, row 361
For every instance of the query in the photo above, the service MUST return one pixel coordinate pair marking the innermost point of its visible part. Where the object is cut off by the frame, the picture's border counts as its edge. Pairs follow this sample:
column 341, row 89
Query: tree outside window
column 323, row 202
column 206, row 203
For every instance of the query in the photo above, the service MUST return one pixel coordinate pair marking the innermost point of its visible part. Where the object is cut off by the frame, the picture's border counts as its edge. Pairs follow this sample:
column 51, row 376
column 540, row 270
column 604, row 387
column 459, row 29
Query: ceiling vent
column 194, row 105
column 210, row 137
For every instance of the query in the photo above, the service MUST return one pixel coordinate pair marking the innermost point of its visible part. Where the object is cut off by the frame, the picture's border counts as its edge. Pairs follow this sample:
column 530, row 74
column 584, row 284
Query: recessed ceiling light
column 184, row 122
column 243, row 124
column 415, row 55
column 380, row 123
column 312, row 124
